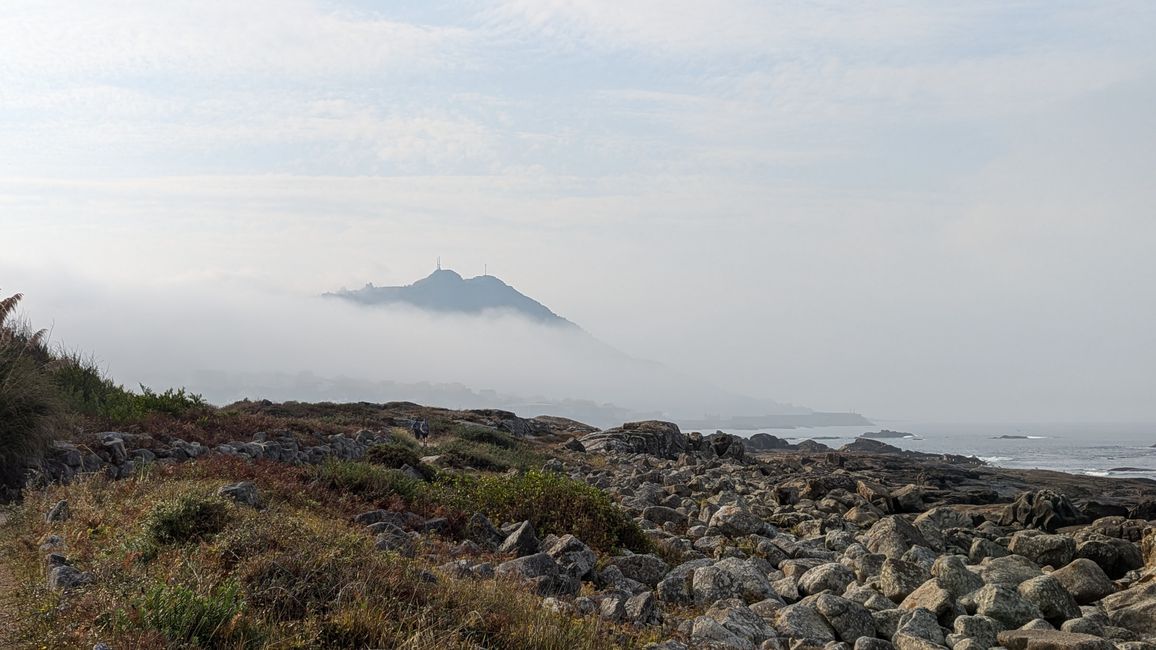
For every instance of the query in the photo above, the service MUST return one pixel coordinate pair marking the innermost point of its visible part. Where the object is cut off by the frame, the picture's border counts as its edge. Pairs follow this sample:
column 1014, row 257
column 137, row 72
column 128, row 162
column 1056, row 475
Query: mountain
column 558, row 364
column 447, row 292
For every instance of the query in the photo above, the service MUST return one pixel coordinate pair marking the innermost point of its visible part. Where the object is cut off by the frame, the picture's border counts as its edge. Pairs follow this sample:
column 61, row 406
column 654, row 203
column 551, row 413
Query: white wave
column 1097, row 472
column 995, row 459
column 1037, row 437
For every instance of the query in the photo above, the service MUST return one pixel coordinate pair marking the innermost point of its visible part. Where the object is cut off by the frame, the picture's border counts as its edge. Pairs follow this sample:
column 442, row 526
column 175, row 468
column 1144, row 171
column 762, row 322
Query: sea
column 1096, row 449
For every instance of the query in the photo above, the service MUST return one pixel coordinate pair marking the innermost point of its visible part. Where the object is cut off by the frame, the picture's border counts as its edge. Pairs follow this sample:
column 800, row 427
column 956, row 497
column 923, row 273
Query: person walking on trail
column 420, row 430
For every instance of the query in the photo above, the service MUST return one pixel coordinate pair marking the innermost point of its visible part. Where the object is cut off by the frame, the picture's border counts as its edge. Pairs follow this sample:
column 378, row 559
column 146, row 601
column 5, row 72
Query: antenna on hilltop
column 439, row 262
column 485, row 269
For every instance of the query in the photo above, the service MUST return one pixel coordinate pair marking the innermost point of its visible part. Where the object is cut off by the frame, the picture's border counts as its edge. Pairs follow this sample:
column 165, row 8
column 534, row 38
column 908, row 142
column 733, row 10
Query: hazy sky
column 911, row 209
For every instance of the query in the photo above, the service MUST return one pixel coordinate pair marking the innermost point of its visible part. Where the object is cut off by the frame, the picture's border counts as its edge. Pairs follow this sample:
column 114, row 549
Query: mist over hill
column 446, row 291
column 610, row 382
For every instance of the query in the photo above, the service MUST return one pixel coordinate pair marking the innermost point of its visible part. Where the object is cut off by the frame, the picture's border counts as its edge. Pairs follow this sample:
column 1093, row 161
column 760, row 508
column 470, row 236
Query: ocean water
column 1107, row 449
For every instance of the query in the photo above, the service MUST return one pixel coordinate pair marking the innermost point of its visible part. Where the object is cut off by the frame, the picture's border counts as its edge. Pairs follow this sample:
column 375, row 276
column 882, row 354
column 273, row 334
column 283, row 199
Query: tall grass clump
column 552, row 502
column 210, row 620
column 30, row 407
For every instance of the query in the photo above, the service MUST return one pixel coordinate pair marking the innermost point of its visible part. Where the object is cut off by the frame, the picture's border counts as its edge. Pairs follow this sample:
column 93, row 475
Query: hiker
column 420, row 430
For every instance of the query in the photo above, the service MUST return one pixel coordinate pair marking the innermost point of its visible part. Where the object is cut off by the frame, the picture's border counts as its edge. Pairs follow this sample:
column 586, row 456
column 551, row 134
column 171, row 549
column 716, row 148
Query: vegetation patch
column 397, row 456
column 294, row 575
column 187, row 518
column 554, row 503
column 211, row 620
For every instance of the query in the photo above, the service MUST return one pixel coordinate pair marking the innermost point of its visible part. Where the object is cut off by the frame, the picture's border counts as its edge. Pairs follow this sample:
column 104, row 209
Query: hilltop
column 446, row 291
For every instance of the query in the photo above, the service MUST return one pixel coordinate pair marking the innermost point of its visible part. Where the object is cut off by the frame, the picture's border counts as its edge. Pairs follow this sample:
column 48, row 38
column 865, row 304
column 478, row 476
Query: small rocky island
column 887, row 433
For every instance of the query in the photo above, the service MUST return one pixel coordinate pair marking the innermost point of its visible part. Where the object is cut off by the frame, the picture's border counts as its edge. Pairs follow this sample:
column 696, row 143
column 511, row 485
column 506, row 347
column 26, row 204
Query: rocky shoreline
column 870, row 547
column 787, row 548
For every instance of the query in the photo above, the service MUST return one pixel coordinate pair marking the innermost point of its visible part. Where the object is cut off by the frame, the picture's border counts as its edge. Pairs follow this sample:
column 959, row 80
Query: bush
column 469, row 455
column 395, row 456
column 188, row 518
column 87, row 390
column 30, row 407
column 553, row 503
column 367, row 480
column 211, row 621
column 489, row 437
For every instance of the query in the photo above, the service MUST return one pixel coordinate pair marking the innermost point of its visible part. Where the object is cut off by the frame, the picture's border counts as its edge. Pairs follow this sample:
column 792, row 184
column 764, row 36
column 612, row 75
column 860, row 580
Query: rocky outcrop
column 1043, row 509
column 652, row 437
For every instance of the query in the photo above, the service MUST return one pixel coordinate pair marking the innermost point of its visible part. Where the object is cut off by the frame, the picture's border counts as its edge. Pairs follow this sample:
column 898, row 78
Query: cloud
column 44, row 42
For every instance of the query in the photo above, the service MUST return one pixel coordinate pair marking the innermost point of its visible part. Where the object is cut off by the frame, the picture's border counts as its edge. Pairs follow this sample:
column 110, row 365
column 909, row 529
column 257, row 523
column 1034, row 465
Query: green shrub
column 30, row 407
column 552, row 502
column 87, row 390
column 489, row 437
column 466, row 454
column 367, row 480
column 187, row 518
column 212, row 620
column 470, row 455
column 395, row 456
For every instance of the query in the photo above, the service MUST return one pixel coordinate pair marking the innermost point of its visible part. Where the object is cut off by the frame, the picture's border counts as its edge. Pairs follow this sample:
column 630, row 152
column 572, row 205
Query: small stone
column 58, row 512
column 244, row 493
column 65, row 577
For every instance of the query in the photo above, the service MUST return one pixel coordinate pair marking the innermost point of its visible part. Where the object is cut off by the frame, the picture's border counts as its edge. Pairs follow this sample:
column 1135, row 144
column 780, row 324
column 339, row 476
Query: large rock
column 575, row 557
column 918, row 630
column 931, row 596
column 1043, row 549
column 803, row 621
column 735, row 520
column 1043, row 509
column 523, row 541
column 766, row 442
column 662, row 439
column 849, row 619
column 1133, row 609
column 736, row 617
column 724, row 445
column 709, row 633
column 676, row 587
column 833, row 577
column 749, row 581
column 1005, row 606
column 954, row 575
column 1050, row 597
column 542, row 572
column 1115, row 556
column 1008, row 571
column 979, row 628
column 893, row 536
column 647, row 569
column 1085, row 580
column 897, row 579
column 1052, row 640
column 710, row 584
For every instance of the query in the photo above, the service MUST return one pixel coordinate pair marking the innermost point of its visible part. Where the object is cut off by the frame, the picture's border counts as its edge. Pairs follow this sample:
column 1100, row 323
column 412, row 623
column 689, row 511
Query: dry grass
column 295, row 575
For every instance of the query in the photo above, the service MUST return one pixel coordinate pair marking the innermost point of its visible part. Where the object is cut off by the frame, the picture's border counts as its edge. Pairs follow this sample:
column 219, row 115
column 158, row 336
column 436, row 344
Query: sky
column 932, row 210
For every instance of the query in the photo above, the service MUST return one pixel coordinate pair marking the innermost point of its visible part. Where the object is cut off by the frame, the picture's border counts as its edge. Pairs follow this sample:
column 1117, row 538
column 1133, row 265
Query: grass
column 30, row 408
column 211, row 620
column 552, row 502
column 295, row 575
